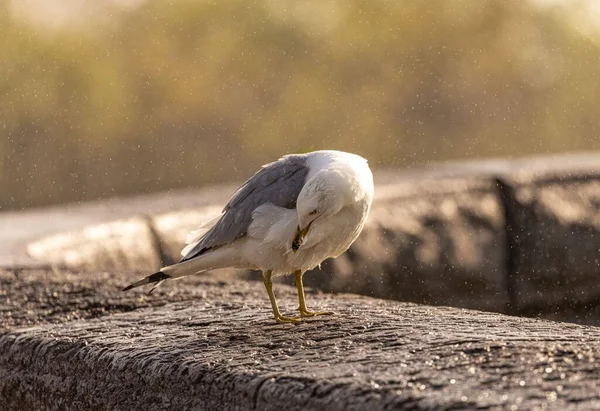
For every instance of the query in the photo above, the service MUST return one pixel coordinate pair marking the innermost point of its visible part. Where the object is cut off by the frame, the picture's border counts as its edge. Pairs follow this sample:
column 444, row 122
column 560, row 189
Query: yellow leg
column 304, row 311
column 278, row 317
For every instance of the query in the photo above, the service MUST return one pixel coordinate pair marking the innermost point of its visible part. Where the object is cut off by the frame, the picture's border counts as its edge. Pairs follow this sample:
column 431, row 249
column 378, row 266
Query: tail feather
column 153, row 278
column 216, row 258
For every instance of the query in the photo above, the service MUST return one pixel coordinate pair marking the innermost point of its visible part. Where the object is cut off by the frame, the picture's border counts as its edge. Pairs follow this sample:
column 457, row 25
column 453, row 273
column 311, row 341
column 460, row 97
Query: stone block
column 554, row 237
column 438, row 242
column 124, row 245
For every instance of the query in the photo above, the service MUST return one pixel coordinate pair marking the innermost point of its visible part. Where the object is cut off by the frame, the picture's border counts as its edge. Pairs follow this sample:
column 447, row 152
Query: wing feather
column 278, row 183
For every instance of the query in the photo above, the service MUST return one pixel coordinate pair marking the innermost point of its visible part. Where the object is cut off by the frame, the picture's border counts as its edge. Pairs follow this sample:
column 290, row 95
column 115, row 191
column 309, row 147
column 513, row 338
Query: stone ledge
column 222, row 351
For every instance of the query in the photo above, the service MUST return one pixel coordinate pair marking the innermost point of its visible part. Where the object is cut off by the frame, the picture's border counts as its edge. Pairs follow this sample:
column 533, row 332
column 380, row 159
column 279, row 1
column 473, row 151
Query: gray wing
column 278, row 183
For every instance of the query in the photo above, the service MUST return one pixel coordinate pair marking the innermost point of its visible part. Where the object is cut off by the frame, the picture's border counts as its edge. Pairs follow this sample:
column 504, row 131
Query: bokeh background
column 115, row 97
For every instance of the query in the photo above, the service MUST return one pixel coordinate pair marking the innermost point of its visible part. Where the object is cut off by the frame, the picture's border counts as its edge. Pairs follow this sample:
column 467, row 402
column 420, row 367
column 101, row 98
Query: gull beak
column 299, row 237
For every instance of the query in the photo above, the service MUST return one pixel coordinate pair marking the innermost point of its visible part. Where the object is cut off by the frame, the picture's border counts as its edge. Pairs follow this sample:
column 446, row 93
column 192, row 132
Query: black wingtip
column 156, row 277
column 153, row 278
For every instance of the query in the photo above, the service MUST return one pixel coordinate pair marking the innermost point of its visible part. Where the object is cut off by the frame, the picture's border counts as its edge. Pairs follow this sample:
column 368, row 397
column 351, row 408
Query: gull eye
column 313, row 212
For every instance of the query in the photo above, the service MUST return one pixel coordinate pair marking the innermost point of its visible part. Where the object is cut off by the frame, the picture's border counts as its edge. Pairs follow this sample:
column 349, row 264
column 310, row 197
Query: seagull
column 287, row 218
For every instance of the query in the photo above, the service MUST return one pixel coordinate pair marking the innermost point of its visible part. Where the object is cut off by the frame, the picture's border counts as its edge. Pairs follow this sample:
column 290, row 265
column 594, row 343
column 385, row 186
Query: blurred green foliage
column 182, row 93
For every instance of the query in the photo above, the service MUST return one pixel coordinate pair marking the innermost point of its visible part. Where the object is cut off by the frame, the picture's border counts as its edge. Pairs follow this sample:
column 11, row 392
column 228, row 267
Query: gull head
column 323, row 196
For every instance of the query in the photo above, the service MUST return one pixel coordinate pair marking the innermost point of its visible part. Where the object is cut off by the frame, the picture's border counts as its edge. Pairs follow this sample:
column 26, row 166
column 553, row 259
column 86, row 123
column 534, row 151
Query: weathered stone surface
column 439, row 242
column 554, row 232
column 127, row 244
column 221, row 350
column 52, row 296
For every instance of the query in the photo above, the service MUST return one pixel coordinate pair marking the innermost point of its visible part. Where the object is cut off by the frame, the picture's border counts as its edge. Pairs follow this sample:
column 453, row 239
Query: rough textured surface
column 555, row 240
column 221, row 350
column 42, row 296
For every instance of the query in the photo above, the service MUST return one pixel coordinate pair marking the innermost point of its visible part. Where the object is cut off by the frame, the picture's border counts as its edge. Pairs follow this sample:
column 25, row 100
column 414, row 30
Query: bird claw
column 282, row 319
column 307, row 313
